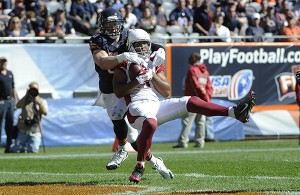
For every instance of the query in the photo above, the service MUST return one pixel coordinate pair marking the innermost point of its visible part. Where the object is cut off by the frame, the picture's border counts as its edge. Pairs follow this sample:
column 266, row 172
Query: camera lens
column 33, row 92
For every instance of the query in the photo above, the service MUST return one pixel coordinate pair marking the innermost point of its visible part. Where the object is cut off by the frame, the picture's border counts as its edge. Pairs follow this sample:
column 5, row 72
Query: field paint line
column 245, row 177
column 54, row 156
column 149, row 174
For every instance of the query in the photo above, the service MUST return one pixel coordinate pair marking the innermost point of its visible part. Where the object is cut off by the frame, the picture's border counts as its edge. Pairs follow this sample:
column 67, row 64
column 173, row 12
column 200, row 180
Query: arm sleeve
column 297, row 93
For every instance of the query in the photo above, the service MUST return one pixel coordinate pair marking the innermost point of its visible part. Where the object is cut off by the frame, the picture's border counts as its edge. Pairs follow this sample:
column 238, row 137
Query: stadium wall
column 63, row 69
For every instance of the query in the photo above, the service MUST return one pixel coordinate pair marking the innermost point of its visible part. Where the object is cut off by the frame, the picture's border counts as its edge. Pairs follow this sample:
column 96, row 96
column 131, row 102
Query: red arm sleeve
column 297, row 90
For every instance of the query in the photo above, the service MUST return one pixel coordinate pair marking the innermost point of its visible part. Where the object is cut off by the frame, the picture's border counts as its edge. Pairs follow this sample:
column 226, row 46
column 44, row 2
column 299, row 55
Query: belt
column 5, row 98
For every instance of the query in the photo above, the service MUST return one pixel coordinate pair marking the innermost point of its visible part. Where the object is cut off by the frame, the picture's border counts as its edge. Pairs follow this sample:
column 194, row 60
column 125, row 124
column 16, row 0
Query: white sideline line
column 54, row 156
column 125, row 174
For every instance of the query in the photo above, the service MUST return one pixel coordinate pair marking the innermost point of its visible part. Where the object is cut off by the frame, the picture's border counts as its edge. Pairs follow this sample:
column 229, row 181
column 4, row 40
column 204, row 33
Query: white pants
column 163, row 111
column 116, row 109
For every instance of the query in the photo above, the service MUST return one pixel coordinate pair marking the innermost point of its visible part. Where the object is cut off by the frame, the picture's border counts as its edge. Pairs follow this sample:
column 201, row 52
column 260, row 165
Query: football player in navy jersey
column 108, row 48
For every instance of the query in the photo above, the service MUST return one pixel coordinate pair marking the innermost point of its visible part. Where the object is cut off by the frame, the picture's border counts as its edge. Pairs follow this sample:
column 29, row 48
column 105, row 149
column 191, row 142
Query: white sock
column 231, row 112
column 121, row 147
column 141, row 162
column 152, row 159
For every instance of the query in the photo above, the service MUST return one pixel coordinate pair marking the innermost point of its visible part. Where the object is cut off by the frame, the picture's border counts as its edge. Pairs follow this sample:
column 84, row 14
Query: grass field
column 237, row 166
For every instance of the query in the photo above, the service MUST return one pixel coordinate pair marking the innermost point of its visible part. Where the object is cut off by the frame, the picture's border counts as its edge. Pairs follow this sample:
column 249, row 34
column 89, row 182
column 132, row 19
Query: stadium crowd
column 222, row 20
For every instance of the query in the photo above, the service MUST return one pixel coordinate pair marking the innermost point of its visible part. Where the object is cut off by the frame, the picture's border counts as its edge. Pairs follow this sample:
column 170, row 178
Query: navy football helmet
column 110, row 22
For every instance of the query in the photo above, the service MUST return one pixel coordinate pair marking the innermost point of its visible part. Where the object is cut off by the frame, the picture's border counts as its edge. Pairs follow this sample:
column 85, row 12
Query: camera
column 33, row 92
column 31, row 121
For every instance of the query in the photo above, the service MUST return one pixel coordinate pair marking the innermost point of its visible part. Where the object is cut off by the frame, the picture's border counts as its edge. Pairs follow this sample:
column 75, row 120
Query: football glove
column 143, row 78
column 130, row 57
column 158, row 57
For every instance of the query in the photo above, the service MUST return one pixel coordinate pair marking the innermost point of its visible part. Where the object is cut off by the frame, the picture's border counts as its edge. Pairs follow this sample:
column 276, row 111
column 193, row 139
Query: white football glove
column 142, row 79
column 159, row 57
column 130, row 57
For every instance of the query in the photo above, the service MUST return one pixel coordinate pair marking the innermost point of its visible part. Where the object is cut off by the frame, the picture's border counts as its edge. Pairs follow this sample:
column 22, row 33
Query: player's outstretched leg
column 137, row 174
column 243, row 109
column 158, row 165
column 117, row 159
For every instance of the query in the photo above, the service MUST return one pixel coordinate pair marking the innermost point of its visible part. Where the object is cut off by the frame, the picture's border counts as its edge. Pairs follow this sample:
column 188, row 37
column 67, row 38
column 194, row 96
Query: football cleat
column 243, row 109
column 161, row 168
column 117, row 159
column 137, row 174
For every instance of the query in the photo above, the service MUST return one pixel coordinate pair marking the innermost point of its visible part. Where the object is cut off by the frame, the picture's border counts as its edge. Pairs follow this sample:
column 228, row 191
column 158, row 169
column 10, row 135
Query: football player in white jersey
column 146, row 111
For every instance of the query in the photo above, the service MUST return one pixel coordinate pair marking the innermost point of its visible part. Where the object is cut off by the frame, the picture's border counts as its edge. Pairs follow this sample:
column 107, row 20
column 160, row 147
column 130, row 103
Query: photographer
column 29, row 121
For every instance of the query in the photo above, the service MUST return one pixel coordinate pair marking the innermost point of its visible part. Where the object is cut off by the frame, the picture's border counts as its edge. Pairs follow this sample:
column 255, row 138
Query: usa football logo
column 241, row 84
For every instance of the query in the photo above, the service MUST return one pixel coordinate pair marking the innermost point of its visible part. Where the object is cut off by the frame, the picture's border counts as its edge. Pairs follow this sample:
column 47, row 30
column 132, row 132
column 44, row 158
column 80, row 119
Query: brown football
column 134, row 70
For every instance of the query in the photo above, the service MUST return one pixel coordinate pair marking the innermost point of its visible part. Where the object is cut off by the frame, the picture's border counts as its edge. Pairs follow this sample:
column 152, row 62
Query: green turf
column 221, row 166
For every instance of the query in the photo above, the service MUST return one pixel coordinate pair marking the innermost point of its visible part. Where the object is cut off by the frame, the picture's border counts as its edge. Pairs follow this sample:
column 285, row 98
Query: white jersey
column 144, row 102
column 144, row 91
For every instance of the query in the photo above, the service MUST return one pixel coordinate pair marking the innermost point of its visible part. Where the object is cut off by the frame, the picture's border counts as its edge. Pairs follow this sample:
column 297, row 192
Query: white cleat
column 117, row 159
column 161, row 168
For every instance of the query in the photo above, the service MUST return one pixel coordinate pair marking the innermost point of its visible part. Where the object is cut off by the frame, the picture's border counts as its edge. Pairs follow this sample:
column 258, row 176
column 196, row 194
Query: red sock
column 145, row 138
column 197, row 105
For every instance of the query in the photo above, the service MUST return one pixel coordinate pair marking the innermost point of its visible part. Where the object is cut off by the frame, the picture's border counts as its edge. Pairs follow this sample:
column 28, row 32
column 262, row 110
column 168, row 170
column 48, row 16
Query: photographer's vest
column 29, row 120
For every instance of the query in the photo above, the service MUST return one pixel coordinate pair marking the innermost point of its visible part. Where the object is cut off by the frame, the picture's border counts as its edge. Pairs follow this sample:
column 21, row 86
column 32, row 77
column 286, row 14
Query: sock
column 121, row 147
column 197, row 105
column 231, row 112
column 141, row 163
column 152, row 160
column 145, row 138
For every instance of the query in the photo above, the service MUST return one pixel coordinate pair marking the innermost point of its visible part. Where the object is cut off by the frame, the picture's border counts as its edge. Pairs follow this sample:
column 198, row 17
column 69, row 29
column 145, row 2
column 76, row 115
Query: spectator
column 15, row 30
column 3, row 16
column 255, row 30
column 181, row 16
column 130, row 20
column 83, row 16
column 147, row 21
column 197, row 83
column 8, row 99
column 36, row 21
column 281, row 10
column 232, row 21
column 269, row 22
column 218, row 29
column 117, row 4
column 99, row 5
column 190, row 6
column 264, row 7
column 63, row 26
column 2, row 29
column 30, row 121
column 161, row 18
column 292, row 29
column 33, row 5
column 20, row 12
column 203, row 19
column 49, row 30
column 136, row 8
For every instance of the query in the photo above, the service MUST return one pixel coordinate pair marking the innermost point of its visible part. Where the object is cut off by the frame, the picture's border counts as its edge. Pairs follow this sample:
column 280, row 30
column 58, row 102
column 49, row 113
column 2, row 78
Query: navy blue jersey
column 103, row 42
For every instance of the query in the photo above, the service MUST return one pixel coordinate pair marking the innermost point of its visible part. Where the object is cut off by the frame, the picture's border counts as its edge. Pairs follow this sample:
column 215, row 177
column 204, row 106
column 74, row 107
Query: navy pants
column 7, row 115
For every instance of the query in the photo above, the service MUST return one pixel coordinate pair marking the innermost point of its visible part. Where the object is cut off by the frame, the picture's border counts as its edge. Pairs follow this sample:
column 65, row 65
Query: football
column 135, row 70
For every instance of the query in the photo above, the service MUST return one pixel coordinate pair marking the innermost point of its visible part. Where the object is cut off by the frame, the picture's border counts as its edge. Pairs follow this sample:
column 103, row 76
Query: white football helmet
column 139, row 42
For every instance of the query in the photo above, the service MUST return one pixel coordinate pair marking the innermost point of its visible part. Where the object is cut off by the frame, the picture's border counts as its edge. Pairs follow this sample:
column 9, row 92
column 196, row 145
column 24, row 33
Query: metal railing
column 162, row 39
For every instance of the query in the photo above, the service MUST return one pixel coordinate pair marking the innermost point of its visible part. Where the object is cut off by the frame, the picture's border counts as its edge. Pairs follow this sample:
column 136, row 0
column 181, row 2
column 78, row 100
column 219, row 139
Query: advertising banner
column 236, row 68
